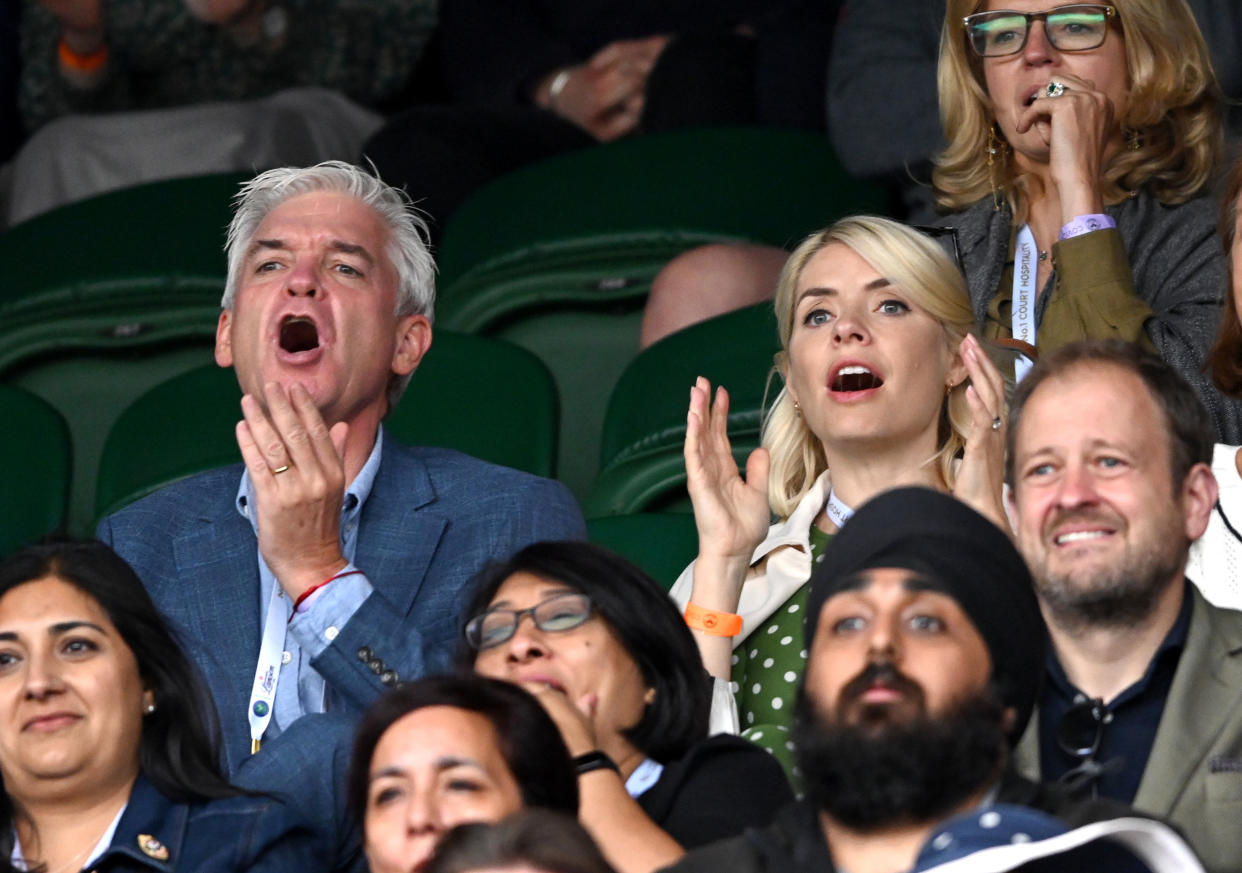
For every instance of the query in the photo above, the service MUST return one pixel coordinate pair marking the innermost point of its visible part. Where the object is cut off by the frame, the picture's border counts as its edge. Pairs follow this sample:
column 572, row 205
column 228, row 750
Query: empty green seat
column 130, row 267
column 662, row 543
column 478, row 395
column 642, row 468
column 35, row 464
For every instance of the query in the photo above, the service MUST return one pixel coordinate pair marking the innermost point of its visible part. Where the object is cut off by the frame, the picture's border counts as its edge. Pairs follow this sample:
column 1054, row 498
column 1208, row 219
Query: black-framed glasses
column 1079, row 733
column 560, row 612
column 1075, row 28
column 940, row 234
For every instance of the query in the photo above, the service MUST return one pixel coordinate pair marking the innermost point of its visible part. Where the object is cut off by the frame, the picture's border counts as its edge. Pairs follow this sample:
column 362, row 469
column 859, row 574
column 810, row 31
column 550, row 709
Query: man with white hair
column 332, row 565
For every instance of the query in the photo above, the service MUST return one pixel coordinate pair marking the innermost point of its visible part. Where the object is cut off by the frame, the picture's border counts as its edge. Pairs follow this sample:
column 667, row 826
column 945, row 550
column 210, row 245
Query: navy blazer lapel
column 399, row 530
column 218, row 565
column 1207, row 689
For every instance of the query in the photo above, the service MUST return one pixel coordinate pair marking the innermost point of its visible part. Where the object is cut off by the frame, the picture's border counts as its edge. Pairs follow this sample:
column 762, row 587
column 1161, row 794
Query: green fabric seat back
column 661, row 543
column 35, row 466
column 478, row 395
column 125, row 268
column 642, row 468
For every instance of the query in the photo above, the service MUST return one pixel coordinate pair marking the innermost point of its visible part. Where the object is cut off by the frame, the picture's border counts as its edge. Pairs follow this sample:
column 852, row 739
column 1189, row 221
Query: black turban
column 961, row 554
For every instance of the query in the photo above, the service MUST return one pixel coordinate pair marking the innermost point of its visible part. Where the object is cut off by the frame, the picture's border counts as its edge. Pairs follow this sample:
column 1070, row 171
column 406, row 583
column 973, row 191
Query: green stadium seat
column 35, row 466
column 662, row 543
column 641, row 464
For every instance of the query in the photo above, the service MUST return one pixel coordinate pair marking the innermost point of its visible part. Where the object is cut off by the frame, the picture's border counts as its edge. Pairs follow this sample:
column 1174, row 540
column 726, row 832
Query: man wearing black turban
column 926, row 648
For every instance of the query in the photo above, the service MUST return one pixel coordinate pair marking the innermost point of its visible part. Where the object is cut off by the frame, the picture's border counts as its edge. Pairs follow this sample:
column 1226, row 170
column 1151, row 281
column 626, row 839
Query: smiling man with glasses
column 1142, row 703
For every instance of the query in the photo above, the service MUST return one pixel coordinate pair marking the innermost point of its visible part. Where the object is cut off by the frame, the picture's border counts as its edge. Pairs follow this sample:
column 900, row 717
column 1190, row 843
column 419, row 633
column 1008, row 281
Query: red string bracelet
column 309, row 591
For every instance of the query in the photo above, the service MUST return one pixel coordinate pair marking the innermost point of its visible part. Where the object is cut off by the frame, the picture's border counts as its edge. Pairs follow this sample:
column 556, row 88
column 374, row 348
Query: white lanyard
column 263, row 694
column 837, row 511
column 1025, row 283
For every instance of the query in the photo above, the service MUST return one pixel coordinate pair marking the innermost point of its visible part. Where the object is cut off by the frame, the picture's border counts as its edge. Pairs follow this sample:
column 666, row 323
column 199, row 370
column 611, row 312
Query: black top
column 1131, row 718
column 794, row 842
column 721, row 787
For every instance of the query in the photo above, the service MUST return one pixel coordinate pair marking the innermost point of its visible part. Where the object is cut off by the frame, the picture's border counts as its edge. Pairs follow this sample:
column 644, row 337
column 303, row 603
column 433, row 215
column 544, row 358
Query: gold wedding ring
column 281, row 469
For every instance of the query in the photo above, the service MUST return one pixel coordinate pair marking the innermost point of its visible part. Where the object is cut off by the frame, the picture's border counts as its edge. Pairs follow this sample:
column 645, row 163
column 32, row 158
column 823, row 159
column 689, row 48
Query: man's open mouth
column 298, row 334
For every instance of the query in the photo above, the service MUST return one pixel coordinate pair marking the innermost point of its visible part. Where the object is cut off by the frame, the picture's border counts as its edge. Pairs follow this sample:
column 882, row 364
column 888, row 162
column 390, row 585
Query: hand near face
column 1077, row 128
column 731, row 513
column 605, row 95
column 298, row 511
column 573, row 718
column 981, row 476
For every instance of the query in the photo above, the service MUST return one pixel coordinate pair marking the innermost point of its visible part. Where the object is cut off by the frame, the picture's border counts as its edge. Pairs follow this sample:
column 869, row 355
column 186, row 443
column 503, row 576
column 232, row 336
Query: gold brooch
column 152, row 847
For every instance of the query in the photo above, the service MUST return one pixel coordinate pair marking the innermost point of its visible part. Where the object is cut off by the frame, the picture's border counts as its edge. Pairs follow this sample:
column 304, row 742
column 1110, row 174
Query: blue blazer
column 224, row 836
column 433, row 519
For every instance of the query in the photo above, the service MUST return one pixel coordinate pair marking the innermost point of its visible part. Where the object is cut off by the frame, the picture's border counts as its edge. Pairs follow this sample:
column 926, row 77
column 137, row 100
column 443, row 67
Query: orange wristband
column 718, row 624
column 82, row 63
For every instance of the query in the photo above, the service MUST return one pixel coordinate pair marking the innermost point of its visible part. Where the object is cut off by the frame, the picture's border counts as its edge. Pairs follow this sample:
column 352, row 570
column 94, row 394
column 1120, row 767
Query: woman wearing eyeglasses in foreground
column 105, row 733
column 450, row 750
column 600, row 645
column 884, row 386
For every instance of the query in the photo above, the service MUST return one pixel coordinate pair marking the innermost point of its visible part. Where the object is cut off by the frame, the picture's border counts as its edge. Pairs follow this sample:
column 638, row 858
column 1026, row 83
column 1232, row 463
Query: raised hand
column 296, row 467
column 573, row 718
column 605, row 95
column 981, row 475
column 731, row 513
column 1078, row 126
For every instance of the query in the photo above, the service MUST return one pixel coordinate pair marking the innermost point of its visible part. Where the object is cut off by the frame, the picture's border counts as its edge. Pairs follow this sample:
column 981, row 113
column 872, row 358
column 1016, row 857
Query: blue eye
column 817, row 317
column 926, row 623
column 851, row 624
column 893, row 307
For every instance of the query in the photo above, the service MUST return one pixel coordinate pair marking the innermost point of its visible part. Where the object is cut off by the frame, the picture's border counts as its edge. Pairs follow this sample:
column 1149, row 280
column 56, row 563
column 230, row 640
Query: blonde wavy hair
column 1173, row 110
column 916, row 264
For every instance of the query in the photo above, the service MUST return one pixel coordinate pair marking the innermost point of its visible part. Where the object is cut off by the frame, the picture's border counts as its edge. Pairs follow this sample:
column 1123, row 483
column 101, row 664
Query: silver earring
column 150, row 708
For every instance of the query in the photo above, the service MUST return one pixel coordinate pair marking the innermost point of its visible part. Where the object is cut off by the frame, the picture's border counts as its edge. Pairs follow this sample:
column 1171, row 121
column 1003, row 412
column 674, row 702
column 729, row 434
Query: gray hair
column 407, row 249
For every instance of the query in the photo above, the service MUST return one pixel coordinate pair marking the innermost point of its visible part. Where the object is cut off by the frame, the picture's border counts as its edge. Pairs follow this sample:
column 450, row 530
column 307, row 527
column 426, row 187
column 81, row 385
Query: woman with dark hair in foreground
column 106, row 733
column 448, row 750
column 601, row 646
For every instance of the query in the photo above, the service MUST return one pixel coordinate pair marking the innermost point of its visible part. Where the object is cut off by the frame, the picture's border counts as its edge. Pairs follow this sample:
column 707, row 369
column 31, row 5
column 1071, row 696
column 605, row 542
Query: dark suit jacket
column 235, row 835
column 1194, row 774
column 433, row 519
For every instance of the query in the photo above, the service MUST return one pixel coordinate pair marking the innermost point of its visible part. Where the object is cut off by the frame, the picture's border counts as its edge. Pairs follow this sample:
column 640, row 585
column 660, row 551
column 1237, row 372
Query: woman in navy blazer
column 106, row 733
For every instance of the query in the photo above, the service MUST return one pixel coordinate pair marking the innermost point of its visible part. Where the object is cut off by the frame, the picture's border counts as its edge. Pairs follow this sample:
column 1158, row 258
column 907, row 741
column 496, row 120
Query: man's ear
column 224, row 339
column 413, row 341
column 1199, row 493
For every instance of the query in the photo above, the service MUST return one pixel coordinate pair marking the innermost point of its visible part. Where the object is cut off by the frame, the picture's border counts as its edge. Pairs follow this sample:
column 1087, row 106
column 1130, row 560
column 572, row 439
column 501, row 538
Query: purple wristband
column 1080, row 224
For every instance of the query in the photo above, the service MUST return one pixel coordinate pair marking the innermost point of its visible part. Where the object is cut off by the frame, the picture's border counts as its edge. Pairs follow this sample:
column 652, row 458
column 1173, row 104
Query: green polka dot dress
column 767, row 668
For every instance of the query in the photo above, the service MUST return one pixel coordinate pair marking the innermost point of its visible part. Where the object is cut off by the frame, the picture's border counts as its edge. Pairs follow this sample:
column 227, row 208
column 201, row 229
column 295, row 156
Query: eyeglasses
column 940, row 233
column 1079, row 734
column 1075, row 28
column 560, row 612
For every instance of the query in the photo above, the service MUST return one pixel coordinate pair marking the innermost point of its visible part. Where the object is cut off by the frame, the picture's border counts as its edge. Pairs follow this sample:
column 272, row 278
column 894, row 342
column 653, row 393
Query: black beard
column 869, row 775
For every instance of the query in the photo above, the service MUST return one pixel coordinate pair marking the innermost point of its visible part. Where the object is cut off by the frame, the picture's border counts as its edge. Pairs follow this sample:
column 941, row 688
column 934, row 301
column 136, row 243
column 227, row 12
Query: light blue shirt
column 312, row 631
